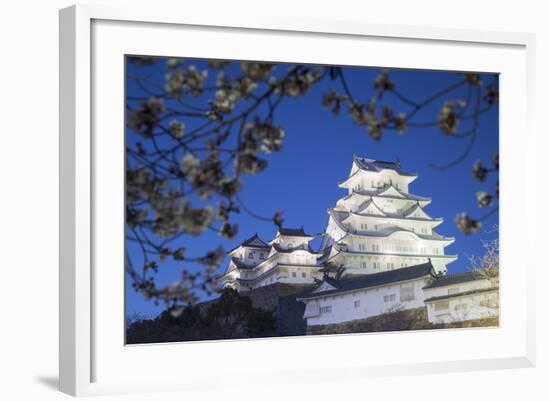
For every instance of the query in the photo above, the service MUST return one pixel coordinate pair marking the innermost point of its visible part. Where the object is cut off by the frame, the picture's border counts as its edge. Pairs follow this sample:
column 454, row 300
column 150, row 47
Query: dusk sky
column 301, row 179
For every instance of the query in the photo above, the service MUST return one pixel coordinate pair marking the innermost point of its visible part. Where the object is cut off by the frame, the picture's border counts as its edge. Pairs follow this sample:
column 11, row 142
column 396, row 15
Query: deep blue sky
column 317, row 154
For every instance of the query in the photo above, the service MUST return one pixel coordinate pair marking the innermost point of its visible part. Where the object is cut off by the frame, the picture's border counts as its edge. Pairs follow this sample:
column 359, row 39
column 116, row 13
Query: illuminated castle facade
column 379, row 253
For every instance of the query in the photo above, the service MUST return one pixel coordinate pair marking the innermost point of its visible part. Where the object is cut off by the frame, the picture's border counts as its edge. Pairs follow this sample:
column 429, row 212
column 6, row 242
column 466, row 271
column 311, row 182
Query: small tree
column 488, row 265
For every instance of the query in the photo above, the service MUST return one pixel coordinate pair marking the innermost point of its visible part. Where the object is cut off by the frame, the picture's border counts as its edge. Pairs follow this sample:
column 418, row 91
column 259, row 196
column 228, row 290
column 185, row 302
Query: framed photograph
column 248, row 188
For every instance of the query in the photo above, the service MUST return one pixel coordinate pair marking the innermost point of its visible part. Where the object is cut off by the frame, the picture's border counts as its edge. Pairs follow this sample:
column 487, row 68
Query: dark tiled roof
column 249, row 242
column 241, row 265
column 461, row 294
column 373, row 280
column 294, row 232
column 379, row 165
column 456, row 278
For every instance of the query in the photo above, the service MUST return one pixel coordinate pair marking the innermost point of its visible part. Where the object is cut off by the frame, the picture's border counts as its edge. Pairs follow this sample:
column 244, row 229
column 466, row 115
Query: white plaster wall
column 300, row 257
column 396, row 244
column 303, row 275
column 372, row 180
column 470, row 307
column 369, row 223
column 354, row 263
column 371, row 303
column 244, row 253
column 286, row 240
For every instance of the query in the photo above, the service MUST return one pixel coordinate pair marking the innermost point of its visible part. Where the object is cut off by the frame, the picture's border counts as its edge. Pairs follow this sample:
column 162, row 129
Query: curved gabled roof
column 334, row 214
column 398, row 216
column 404, row 215
column 293, row 232
column 302, row 247
column 256, row 242
column 379, row 165
column 368, row 203
column 253, row 242
column 390, row 230
column 404, row 195
column 379, row 193
column 241, row 265
column 384, row 232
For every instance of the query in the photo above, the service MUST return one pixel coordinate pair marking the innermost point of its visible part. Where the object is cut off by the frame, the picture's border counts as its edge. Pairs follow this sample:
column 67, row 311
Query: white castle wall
column 372, row 301
column 469, row 307
column 376, row 301
column 465, row 307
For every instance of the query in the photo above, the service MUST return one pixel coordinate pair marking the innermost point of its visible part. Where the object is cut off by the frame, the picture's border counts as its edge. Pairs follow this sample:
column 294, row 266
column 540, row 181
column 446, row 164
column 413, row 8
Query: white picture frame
column 83, row 349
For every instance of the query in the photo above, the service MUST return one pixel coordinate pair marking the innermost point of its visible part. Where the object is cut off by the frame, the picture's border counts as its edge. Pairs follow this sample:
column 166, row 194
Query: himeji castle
column 380, row 225
column 288, row 258
column 384, row 248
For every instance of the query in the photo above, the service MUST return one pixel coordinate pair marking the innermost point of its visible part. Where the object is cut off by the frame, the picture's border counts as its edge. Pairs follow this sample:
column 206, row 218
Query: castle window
column 364, row 265
column 262, row 255
column 376, row 265
column 357, row 304
column 441, row 305
column 293, row 274
column 389, row 298
column 251, row 255
column 406, row 293
column 303, row 274
column 325, row 309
